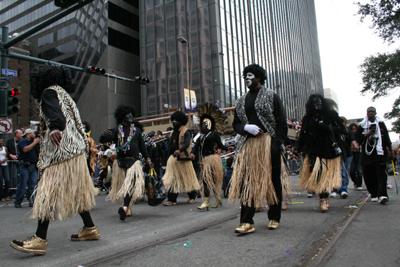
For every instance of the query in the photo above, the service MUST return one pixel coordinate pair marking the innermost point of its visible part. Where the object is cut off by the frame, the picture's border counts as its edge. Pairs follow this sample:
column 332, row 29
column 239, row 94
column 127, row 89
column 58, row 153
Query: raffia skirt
column 285, row 180
column 180, row 176
column 127, row 182
column 326, row 175
column 212, row 174
column 251, row 181
column 64, row 190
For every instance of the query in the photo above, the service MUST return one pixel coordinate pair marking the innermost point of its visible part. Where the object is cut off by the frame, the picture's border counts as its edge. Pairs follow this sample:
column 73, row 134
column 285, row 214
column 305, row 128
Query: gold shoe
column 245, row 228
column 218, row 202
column 34, row 245
column 327, row 203
column 323, row 205
column 205, row 205
column 169, row 203
column 284, row 205
column 86, row 233
column 272, row 225
column 191, row 201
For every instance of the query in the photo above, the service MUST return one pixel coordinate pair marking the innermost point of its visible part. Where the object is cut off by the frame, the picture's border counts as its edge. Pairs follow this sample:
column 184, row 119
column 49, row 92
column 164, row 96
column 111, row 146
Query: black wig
column 310, row 104
column 44, row 76
column 257, row 70
column 122, row 111
column 179, row 116
column 353, row 125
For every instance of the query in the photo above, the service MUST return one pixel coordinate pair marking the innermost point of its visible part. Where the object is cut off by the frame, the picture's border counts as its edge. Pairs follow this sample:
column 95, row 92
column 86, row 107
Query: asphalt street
column 352, row 233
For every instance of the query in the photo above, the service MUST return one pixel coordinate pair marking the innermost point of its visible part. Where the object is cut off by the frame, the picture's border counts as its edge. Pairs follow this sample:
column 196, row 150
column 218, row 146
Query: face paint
column 128, row 119
column 317, row 103
column 251, row 81
column 176, row 125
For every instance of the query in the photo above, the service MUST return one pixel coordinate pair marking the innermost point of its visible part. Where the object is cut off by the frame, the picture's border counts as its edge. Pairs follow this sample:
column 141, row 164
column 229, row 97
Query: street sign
column 6, row 126
column 9, row 78
column 9, row 72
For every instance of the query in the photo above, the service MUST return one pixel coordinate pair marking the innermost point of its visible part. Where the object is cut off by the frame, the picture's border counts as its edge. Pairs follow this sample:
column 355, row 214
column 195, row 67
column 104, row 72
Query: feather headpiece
column 208, row 111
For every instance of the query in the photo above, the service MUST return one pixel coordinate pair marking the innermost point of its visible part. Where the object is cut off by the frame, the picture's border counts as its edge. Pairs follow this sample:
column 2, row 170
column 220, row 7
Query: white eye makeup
column 250, row 76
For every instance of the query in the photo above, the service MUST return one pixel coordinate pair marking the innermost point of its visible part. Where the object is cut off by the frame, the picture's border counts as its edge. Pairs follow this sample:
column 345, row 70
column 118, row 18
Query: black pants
column 356, row 170
column 375, row 178
column 174, row 196
column 274, row 212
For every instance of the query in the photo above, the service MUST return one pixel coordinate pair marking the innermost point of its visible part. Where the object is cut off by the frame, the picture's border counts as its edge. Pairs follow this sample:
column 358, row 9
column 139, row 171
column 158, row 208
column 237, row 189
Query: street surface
column 183, row 236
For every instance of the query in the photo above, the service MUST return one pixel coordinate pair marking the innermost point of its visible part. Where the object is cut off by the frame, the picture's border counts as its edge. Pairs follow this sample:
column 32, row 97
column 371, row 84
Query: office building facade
column 103, row 34
column 224, row 36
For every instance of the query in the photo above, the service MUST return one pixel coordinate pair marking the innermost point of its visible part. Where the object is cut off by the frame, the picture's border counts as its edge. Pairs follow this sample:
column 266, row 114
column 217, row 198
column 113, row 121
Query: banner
column 187, row 98
column 190, row 99
column 193, row 99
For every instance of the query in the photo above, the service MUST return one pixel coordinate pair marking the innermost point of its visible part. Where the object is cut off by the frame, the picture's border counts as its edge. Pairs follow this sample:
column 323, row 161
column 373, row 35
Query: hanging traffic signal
column 65, row 3
column 142, row 80
column 12, row 100
column 93, row 69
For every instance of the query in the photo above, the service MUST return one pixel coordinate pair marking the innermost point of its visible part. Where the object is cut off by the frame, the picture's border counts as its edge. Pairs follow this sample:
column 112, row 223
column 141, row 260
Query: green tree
column 381, row 72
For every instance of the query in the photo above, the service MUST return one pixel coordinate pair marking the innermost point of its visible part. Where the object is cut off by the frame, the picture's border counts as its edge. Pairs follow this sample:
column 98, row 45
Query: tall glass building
column 102, row 33
column 224, row 36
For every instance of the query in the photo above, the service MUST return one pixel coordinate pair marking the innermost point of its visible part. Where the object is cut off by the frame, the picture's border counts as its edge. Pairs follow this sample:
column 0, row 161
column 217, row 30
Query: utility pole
column 3, row 82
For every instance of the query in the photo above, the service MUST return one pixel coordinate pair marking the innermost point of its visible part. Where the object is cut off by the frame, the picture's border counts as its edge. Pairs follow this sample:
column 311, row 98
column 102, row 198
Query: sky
column 344, row 43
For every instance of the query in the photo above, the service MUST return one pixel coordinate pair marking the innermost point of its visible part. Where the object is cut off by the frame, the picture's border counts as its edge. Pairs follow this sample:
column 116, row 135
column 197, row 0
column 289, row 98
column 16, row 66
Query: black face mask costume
column 176, row 125
column 251, row 81
column 128, row 119
column 317, row 103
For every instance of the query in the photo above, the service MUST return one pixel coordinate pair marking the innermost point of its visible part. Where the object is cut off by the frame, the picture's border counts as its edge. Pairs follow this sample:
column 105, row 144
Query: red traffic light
column 93, row 69
column 13, row 92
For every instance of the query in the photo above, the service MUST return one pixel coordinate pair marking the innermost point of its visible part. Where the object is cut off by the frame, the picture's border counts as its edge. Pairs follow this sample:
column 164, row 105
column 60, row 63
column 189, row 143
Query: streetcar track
column 331, row 239
column 159, row 242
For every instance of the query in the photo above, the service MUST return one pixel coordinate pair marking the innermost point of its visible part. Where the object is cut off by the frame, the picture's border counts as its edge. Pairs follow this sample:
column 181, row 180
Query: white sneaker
column 389, row 186
column 374, row 199
column 359, row 188
column 344, row 195
column 333, row 194
column 383, row 200
column 310, row 194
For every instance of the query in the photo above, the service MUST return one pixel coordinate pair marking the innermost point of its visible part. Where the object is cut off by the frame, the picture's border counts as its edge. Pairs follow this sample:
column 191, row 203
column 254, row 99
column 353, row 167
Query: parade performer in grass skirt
column 127, row 183
column 212, row 123
column 92, row 148
column 318, row 140
column 261, row 122
column 180, row 175
column 65, row 187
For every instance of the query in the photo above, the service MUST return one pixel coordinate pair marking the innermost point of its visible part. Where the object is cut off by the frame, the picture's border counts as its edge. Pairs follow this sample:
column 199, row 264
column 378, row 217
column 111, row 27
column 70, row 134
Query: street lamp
column 184, row 41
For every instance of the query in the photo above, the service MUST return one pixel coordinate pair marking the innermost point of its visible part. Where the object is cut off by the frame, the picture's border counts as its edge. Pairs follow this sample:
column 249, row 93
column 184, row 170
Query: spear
column 395, row 180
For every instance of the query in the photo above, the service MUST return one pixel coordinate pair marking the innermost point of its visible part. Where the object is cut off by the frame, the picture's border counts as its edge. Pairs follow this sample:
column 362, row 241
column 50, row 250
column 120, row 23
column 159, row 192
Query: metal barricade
column 13, row 173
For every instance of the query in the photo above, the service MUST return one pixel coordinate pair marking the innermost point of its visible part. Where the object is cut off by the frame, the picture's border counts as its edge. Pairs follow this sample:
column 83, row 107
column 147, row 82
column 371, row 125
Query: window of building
column 19, row 73
column 18, row 118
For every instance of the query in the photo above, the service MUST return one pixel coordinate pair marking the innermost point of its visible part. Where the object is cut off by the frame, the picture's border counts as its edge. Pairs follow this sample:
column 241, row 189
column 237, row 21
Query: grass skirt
column 285, row 179
column 127, row 182
column 212, row 175
column 251, row 181
column 64, row 189
column 326, row 175
column 180, row 176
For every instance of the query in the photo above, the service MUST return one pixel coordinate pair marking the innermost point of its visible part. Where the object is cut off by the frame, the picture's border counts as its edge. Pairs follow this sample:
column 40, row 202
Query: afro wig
column 122, row 111
column 44, row 76
column 257, row 70
column 310, row 104
column 179, row 116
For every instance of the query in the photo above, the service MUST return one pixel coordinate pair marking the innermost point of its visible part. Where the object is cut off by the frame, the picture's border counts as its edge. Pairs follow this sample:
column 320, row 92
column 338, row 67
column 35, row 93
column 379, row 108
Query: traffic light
column 12, row 100
column 65, row 3
column 142, row 80
column 93, row 69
